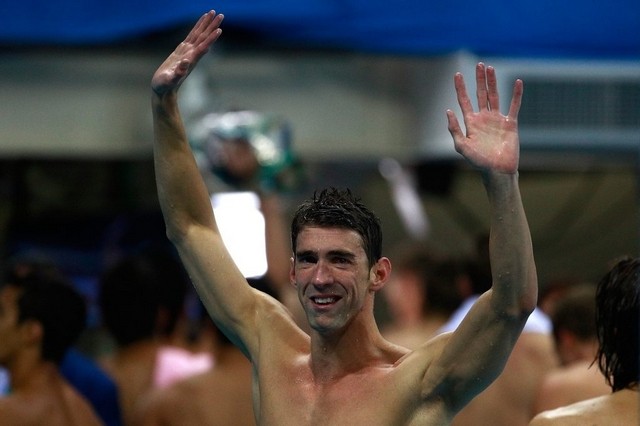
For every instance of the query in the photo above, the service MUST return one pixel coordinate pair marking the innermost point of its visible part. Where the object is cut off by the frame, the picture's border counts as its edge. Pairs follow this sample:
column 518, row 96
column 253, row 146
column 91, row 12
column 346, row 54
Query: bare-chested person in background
column 41, row 316
column 618, row 329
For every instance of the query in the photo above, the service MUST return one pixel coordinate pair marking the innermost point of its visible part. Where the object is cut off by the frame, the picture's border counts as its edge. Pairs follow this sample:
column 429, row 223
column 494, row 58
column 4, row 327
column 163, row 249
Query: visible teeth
column 323, row 300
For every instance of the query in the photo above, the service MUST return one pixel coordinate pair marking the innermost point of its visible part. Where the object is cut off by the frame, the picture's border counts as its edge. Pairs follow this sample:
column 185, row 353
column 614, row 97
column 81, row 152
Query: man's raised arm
column 477, row 351
column 184, row 198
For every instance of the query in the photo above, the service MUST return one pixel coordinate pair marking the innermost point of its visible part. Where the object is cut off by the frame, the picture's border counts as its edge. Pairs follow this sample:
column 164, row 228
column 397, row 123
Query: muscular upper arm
column 239, row 310
column 224, row 291
column 473, row 355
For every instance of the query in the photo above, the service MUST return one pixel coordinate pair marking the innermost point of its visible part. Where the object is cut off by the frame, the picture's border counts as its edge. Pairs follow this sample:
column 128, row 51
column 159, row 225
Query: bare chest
column 372, row 396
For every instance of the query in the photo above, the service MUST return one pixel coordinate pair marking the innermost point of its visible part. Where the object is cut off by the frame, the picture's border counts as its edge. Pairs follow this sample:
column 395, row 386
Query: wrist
column 493, row 178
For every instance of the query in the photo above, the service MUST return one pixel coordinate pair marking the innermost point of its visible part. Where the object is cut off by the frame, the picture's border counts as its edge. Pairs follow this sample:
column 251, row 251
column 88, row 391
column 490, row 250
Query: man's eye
column 306, row 259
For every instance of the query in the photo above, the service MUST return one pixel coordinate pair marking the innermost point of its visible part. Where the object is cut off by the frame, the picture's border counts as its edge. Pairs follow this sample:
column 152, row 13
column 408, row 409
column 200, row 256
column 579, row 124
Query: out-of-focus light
column 242, row 227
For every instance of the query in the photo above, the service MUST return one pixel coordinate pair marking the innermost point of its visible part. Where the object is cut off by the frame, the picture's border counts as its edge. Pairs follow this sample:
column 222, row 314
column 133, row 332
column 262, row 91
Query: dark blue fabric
column 540, row 28
column 94, row 384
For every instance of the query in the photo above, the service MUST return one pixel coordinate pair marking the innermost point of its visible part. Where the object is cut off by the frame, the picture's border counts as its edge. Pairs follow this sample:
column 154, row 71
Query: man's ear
column 292, row 271
column 379, row 273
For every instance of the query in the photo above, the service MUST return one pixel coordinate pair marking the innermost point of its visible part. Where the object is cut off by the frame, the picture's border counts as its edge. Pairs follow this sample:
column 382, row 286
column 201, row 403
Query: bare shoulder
column 281, row 322
column 426, row 352
column 574, row 414
column 415, row 366
column 538, row 348
column 153, row 407
column 618, row 408
column 9, row 409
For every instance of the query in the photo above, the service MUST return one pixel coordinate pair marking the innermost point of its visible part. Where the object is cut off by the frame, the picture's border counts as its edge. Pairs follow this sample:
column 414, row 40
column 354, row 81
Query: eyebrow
column 341, row 253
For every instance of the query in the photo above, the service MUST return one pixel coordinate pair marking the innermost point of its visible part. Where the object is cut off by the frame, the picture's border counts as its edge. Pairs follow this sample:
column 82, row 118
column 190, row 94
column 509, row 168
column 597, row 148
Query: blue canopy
column 541, row 28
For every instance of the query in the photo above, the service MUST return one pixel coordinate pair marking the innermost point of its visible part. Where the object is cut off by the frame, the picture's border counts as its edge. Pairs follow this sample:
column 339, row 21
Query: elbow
column 175, row 234
column 527, row 306
column 518, row 304
column 529, row 303
column 529, row 297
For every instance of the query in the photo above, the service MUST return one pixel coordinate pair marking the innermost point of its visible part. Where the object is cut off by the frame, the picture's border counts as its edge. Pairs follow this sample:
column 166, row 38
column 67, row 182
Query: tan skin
column 577, row 379
column 39, row 393
column 619, row 408
column 344, row 372
column 132, row 369
column 508, row 400
column 219, row 397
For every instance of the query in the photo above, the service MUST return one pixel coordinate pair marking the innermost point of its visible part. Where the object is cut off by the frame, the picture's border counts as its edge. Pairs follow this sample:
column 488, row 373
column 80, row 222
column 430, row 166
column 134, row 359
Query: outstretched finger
column 516, row 99
column 209, row 30
column 455, row 130
column 197, row 28
column 461, row 94
column 492, row 87
column 481, row 86
column 206, row 30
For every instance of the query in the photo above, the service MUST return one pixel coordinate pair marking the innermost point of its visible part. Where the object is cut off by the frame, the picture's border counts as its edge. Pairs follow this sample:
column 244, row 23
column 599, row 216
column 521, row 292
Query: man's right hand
column 170, row 75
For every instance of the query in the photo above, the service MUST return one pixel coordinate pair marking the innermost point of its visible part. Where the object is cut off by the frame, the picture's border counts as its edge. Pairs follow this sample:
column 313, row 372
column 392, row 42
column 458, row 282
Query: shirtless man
column 576, row 343
column 218, row 397
column 40, row 318
column 344, row 372
column 132, row 297
column 618, row 329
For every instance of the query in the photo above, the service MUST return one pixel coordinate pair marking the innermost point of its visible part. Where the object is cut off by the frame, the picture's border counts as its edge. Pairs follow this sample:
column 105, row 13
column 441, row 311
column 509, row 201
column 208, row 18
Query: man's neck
column 337, row 355
column 28, row 376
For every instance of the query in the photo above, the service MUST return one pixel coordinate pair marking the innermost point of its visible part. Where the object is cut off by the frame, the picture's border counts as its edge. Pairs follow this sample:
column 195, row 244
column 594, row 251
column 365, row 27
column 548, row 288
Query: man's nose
column 322, row 274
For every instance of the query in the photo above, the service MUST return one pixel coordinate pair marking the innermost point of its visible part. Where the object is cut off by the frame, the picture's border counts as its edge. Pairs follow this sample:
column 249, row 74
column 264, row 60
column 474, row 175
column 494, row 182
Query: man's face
column 331, row 273
column 10, row 338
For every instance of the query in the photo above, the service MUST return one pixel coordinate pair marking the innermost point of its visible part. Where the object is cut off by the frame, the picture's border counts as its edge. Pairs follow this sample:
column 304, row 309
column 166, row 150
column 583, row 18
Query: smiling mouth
column 324, row 300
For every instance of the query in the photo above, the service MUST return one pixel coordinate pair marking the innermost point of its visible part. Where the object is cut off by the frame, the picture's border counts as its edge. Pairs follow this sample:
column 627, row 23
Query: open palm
column 170, row 75
column 491, row 139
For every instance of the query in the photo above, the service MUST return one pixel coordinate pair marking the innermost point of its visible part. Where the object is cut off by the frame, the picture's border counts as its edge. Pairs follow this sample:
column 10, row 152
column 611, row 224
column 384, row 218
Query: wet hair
column 47, row 297
column 335, row 208
column 617, row 317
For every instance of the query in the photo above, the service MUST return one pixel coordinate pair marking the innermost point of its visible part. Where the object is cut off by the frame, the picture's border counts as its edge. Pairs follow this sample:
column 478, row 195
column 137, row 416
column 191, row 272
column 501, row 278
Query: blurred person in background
column 509, row 400
column 618, row 356
column 554, row 290
column 422, row 293
column 78, row 368
column 141, row 296
column 221, row 396
column 576, row 342
column 41, row 317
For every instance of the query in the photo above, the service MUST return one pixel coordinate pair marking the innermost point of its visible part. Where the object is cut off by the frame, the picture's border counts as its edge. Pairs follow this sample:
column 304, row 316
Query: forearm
column 515, row 287
column 182, row 194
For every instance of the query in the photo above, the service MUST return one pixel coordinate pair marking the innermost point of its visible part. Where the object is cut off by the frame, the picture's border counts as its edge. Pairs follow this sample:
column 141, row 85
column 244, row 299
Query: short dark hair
column 135, row 289
column 617, row 316
column 129, row 300
column 576, row 312
column 47, row 297
column 338, row 208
